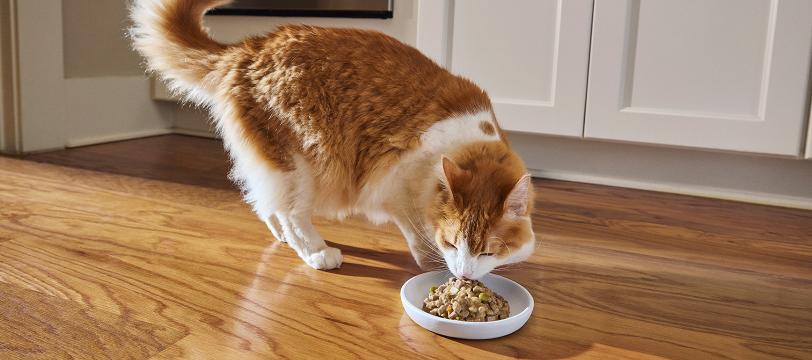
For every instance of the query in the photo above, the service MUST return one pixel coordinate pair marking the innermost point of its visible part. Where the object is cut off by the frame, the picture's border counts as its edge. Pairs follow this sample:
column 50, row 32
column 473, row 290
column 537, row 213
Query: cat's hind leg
column 284, row 201
column 278, row 184
column 272, row 221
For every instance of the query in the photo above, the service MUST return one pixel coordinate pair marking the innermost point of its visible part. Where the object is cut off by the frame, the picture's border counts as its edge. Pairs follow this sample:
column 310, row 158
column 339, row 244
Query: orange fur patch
column 487, row 128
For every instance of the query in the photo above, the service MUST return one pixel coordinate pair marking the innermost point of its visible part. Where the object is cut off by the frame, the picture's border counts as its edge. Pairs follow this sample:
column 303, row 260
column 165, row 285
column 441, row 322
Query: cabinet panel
column 702, row 76
column 530, row 55
column 722, row 74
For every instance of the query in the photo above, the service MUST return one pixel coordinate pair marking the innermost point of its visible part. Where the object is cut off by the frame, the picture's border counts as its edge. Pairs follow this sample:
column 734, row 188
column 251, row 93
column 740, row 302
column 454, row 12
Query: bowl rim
column 407, row 303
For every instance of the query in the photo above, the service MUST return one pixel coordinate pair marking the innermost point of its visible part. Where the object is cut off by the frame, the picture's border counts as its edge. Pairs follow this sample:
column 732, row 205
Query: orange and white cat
column 337, row 122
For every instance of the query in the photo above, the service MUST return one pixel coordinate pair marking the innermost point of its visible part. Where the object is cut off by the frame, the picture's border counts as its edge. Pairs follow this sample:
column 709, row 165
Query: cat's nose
column 467, row 274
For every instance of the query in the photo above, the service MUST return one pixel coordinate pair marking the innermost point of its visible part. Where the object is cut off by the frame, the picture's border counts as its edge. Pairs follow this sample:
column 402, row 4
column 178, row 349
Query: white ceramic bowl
column 416, row 289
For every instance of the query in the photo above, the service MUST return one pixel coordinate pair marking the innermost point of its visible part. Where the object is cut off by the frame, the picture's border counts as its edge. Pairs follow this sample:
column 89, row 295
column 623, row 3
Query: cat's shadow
column 401, row 265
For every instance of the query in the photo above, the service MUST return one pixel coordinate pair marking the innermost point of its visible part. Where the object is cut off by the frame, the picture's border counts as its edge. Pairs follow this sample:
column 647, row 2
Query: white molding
column 39, row 67
column 681, row 189
column 9, row 119
column 93, row 140
column 198, row 133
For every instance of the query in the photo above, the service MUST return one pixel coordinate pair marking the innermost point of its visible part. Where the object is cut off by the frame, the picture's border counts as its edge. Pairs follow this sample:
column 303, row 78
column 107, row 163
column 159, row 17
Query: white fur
column 462, row 264
column 160, row 52
column 417, row 171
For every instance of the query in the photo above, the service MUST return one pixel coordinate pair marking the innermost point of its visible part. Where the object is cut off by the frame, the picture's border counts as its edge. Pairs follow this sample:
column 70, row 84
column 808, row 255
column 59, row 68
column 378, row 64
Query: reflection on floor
column 142, row 249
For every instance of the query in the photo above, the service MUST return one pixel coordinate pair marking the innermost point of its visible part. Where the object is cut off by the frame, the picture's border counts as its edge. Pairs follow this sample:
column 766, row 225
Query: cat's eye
column 448, row 243
column 486, row 254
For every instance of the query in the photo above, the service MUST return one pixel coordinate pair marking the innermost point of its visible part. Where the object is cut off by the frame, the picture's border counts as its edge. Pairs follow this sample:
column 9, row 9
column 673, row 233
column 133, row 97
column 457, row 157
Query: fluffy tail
column 171, row 36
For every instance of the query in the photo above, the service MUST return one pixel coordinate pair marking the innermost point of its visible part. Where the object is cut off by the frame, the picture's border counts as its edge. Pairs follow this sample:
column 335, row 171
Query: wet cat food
column 465, row 300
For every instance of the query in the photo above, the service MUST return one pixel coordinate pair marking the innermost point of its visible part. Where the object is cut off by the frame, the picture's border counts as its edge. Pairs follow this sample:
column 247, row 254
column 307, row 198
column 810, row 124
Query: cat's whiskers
column 431, row 257
column 422, row 233
column 511, row 267
column 431, row 252
column 503, row 244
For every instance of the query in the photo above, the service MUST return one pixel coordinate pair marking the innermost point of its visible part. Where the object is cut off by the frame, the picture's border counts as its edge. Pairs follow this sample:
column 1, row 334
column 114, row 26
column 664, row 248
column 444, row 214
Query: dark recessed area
column 382, row 9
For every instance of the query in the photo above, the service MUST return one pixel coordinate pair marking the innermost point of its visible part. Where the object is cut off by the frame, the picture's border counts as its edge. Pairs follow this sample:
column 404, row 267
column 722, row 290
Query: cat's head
column 481, row 212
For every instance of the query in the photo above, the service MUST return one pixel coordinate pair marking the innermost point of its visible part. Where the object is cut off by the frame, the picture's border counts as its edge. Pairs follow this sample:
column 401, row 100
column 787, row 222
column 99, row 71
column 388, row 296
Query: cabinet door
column 531, row 56
column 721, row 74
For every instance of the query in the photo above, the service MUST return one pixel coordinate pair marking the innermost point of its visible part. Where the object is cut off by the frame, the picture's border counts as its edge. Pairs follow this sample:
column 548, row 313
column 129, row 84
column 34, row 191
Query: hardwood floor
column 142, row 249
column 197, row 161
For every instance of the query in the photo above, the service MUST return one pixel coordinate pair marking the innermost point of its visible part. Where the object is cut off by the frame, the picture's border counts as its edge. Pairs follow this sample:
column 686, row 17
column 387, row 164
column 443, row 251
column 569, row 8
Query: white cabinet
column 531, row 56
column 721, row 74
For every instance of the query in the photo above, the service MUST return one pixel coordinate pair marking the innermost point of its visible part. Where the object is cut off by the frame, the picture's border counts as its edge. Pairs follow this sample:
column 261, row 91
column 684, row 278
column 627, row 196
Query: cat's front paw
column 325, row 259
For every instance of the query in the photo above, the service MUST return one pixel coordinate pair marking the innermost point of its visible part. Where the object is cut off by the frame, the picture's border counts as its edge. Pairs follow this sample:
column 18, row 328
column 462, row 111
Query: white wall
column 111, row 108
column 41, row 88
column 94, row 39
column 107, row 94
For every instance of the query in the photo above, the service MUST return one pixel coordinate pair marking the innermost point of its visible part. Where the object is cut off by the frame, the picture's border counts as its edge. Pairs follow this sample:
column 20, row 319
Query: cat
column 337, row 122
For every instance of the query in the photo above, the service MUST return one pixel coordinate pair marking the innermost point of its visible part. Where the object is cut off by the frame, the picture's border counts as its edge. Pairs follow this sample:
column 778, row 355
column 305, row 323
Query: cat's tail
column 171, row 36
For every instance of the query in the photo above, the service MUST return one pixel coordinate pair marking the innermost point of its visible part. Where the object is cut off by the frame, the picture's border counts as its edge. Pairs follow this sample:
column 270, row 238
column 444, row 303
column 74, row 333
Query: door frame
column 808, row 154
column 33, row 83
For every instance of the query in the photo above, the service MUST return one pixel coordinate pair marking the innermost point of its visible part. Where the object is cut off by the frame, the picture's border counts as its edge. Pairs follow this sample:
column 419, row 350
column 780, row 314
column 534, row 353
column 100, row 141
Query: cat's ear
column 516, row 202
column 453, row 174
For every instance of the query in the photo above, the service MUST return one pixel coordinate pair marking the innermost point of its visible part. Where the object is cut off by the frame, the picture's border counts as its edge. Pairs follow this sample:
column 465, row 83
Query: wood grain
column 188, row 272
column 156, row 157
column 37, row 326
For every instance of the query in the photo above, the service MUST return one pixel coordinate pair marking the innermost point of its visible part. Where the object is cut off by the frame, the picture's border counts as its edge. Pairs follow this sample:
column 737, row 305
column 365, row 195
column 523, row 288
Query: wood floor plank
column 37, row 326
column 619, row 274
column 155, row 157
column 200, row 347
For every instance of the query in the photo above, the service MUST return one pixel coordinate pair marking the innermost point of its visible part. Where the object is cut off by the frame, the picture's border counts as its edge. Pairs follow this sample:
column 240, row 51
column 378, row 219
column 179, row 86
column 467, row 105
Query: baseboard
column 94, row 140
column 594, row 177
column 70, row 143
column 198, row 133
column 700, row 191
